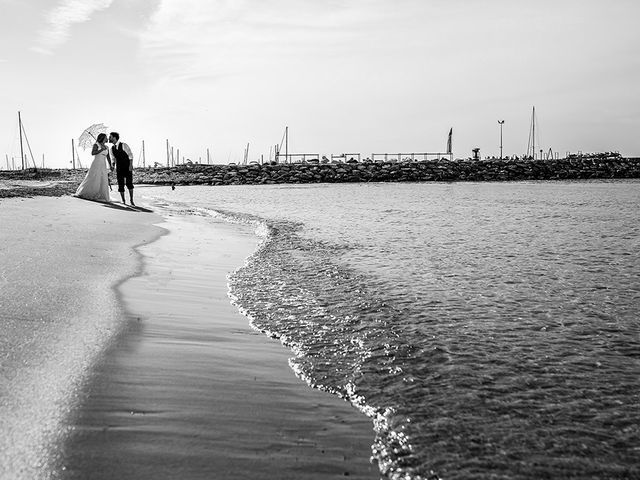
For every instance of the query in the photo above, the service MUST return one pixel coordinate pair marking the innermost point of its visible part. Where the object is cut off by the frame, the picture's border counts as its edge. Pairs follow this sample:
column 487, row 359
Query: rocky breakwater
column 423, row 171
column 32, row 182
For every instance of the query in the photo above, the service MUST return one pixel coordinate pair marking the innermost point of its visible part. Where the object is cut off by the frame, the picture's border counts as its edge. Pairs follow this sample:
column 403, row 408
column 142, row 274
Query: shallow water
column 489, row 330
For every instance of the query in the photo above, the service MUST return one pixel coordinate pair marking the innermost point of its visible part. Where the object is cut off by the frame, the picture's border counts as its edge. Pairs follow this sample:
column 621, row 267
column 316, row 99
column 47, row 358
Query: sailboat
column 285, row 140
column 246, row 155
column 531, row 145
column 23, row 133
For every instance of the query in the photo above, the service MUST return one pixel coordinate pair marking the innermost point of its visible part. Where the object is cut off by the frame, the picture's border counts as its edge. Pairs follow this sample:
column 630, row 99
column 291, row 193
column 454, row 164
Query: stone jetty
column 58, row 182
column 576, row 168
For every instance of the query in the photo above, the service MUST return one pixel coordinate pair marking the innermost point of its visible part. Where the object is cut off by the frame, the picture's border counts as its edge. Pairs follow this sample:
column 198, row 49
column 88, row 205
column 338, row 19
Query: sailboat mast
column 286, row 144
column 533, row 128
column 144, row 158
column 21, row 149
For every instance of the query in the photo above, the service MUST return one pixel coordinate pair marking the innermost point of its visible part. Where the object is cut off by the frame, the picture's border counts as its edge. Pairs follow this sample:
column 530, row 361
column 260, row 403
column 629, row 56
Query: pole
column 7, row 157
column 73, row 154
column 168, row 153
column 178, row 155
column 144, row 159
column 43, row 160
column 286, row 144
column 208, row 161
column 533, row 137
column 172, row 161
column 501, row 122
column 21, row 150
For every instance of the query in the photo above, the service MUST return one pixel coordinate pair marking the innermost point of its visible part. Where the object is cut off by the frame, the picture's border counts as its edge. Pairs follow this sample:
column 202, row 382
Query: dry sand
column 186, row 389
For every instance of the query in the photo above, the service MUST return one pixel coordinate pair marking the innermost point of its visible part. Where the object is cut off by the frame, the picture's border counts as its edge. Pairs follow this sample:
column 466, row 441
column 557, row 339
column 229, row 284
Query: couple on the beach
column 95, row 185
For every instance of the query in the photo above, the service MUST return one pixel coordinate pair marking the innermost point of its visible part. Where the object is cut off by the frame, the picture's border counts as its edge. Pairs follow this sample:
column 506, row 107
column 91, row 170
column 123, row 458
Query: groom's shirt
column 125, row 147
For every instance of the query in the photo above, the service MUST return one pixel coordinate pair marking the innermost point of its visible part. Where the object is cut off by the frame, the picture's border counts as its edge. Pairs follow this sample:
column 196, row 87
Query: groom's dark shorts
column 125, row 177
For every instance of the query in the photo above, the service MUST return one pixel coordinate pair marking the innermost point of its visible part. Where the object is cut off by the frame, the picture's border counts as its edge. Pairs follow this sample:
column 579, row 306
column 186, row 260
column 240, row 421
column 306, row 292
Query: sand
column 60, row 259
column 183, row 388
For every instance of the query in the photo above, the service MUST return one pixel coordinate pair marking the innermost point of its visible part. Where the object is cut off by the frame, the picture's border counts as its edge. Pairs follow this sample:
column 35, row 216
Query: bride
column 95, row 185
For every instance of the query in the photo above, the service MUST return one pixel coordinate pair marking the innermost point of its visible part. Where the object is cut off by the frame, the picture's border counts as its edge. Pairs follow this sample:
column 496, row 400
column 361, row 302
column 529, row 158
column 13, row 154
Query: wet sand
column 188, row 390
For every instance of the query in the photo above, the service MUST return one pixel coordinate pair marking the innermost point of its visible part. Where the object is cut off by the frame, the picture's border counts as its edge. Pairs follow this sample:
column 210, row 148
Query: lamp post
column 500, row 122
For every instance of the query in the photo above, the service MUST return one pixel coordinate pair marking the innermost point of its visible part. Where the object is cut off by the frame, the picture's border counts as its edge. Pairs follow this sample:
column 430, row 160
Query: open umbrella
column 88, row 137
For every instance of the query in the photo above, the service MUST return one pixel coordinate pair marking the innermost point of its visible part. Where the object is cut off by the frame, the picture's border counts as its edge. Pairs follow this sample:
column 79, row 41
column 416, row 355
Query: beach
column 486, row 330
column 60, row 259
column 134, row 364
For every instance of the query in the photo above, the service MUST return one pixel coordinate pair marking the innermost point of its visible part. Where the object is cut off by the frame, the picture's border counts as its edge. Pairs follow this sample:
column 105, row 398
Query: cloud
column 217, row 38
column 62, row 17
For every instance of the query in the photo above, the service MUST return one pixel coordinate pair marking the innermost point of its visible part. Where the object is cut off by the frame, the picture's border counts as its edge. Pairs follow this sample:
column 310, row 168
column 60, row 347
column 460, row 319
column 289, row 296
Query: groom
column 121, row 153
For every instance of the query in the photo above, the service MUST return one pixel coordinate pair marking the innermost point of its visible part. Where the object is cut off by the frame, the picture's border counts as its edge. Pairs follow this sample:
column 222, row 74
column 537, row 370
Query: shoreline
column 199, row 392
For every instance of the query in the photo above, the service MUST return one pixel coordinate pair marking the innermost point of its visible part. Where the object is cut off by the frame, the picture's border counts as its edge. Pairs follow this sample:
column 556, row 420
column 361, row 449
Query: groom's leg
column 120, row 176
column 129, row 179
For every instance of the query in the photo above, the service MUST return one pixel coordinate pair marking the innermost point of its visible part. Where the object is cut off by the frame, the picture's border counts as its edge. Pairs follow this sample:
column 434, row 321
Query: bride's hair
column 102, row 137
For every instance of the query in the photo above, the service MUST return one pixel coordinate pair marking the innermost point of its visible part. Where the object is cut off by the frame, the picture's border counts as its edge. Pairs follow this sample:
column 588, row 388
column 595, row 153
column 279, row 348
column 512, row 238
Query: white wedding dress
column 95, row 185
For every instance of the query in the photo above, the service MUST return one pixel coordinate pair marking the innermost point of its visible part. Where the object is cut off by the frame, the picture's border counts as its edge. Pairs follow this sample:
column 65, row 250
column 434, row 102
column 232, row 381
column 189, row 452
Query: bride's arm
column 98, row 148
column 109, row 158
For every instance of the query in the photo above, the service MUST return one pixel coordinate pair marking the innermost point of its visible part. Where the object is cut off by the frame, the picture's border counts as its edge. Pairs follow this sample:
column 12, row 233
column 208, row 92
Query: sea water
column 489, row 330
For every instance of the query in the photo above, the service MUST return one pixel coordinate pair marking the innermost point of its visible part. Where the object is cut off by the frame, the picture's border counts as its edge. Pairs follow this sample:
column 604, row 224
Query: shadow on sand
column 118, row 206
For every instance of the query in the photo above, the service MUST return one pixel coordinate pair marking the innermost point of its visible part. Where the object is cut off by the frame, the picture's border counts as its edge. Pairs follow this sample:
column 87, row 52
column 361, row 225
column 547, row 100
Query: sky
column 352, row 76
